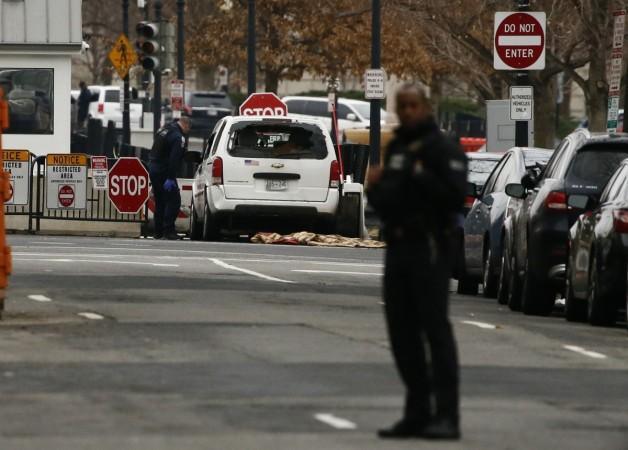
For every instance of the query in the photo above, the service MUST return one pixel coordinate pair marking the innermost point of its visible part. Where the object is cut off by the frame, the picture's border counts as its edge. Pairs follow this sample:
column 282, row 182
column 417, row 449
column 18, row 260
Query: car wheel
column 575, row 310
column 467, row 286
column 211, row 232
column 504, row 276
column 514, row 286
column 488, row 279
column 196, row 232
column 600, row 307
column 537, row 298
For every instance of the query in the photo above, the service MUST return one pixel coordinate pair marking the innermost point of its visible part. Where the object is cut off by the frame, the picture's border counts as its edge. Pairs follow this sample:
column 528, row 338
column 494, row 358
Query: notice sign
column 100, row 173
column 17, row 163
column 521, row 102
column 66, row 181
column 375, row 84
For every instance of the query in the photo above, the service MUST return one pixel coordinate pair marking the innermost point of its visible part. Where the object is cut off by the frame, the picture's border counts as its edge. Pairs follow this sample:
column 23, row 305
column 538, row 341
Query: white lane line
column 248, row 272
column 336, row 422
column 96, row 261
column 483, row 325
column 39, row 298
column 335, row 272
column 91, row 316
column 585, row 352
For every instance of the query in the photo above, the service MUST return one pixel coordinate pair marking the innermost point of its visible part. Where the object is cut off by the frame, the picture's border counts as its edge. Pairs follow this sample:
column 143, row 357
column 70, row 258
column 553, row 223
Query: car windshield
column 364, row 110
column 209, row 100
column 480, row 169
column 533, row 158
column 277, row 140
column 593, row 166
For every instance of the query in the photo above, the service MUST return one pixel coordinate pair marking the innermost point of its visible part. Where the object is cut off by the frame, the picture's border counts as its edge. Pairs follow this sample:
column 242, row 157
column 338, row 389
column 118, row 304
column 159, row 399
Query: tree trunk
column 597, row 92
column 544, row 115
column 436, row 96
column 271, row 80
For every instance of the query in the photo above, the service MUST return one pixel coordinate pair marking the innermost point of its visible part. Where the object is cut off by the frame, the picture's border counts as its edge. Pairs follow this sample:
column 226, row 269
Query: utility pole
column 181, row 39
column 126, row 115
column 157, row 75
column 522, row 79
column 252, row 83
column 375, row 128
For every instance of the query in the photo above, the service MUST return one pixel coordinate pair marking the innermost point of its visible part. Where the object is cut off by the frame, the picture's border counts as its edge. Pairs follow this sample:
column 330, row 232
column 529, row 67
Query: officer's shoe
column 158, row 236
column 404, row 429
column 444, row 428
column 172, row 237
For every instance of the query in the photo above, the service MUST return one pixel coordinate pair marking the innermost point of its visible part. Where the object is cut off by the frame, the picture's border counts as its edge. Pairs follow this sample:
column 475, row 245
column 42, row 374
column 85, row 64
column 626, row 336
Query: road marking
column 248, row 272
column 39, row 298
column 336, row 422
column 94, row 261
column 340, row 273
column 483, row 325
column 585, row 352
column 92, row 316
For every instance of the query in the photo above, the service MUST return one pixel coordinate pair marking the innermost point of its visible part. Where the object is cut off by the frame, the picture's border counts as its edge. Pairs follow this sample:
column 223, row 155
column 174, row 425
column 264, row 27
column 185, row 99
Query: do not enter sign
column 128, row 185
column 519, row 41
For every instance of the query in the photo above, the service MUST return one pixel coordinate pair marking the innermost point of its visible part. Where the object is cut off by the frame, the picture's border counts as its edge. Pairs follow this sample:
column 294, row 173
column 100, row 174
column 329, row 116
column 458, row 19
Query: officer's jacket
column 423, row 184
column 167, row 151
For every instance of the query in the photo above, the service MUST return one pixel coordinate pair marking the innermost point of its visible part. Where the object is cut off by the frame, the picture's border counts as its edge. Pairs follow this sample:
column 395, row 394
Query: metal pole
column 375, row 131
column 521, row 126
column 157, row 75
column 252, row 83
column 181, row 39
column 126, row 115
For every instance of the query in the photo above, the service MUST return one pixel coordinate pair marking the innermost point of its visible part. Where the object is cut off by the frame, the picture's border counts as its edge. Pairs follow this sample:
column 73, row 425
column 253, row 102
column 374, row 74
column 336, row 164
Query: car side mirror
column 472, row 190
column 528, row 181
column 579, row 201
column 352, row 117
column 515, row 190
column 193, row 157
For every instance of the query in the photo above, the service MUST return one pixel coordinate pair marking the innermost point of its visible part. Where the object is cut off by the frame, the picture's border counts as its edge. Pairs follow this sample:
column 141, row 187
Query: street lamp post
column 181, row 39
column 521, row 126
column 157, row 75
column 251, row 48
column 375, row 128
column 126, row 116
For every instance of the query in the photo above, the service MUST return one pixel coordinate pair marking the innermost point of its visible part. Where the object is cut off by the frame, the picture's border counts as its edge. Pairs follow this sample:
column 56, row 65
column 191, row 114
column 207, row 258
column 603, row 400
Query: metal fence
column 99, row 207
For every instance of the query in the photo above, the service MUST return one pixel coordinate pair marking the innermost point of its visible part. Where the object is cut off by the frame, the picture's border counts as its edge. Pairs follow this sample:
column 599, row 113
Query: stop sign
column 519, row 41
column 263, row 104
column 128, row 185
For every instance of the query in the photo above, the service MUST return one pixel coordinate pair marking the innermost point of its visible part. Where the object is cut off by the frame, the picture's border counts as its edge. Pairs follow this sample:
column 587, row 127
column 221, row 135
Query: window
column 31, row 100
column 217, row 138
column 316, row 108
column 207, row 100
column 344, row 111
column 615, row 186
column 112, row 96
column 505, row 175
column 277, row 140
column 480, row 169
column 296, row 106
column 490, row 183
column 550, row 170
column 593, row 165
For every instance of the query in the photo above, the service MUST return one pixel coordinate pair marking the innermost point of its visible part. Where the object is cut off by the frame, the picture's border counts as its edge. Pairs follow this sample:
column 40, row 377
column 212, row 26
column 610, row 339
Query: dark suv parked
column 582, row 164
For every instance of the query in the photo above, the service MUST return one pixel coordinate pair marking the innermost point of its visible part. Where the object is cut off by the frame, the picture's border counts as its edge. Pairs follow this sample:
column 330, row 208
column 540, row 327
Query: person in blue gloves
column 165, row 159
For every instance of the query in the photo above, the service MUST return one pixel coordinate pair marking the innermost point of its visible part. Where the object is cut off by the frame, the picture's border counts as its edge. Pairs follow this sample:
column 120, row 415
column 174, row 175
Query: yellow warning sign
column 16, row 155
column 123, row 56
column 76, row 159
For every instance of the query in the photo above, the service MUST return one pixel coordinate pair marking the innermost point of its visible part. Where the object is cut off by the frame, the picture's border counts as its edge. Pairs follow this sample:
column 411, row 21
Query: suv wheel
column 196, row 232
column 537, row 298
column 211, row 232
column 504, row 276
column 601, row 312
column 467, row 286
column 575, row 310
column 514, row 286
column 488, row 279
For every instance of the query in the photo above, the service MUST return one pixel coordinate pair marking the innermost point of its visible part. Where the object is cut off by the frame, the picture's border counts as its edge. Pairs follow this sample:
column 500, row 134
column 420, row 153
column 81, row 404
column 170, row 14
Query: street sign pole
column 157, row 75
column 521, row 126
column 126, row 115
column 181, row 39
column 375, row 131
column 251, row 38
column 615, row 71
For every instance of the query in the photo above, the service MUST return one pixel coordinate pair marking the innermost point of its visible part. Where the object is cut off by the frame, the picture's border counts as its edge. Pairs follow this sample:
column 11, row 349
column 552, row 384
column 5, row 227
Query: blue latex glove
column 170, row 185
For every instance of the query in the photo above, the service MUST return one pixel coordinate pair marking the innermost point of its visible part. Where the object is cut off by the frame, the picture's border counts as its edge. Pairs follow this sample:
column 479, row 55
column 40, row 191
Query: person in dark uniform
column 418, row 194
column 165, row 159
column 84, row 99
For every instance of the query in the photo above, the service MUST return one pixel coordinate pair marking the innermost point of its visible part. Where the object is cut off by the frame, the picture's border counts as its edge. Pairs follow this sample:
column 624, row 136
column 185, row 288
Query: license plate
column 212, row 112
column 276, row 185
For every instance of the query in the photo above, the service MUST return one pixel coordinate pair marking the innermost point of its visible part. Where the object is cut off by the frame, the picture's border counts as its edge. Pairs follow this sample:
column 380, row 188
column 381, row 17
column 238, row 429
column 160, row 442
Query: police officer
column 165, row 159
column 417, row 195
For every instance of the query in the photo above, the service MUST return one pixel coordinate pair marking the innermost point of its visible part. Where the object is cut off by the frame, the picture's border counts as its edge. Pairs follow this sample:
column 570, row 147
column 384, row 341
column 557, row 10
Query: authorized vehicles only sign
column 66, row 181
column 521, row 102
column 17, row 163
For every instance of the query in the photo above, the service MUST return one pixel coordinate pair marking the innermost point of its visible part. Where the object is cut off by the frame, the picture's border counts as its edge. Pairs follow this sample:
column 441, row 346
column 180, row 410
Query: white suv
column 105, row 105
column 265, row 173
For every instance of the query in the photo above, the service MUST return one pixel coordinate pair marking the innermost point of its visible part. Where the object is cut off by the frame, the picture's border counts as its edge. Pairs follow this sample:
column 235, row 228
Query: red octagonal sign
column 128, row 185
column 519, row 41
column 263, row 104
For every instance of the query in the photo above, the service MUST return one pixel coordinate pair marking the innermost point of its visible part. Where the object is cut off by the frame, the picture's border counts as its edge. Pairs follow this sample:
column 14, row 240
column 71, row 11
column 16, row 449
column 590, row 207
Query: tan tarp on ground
column 317, row 240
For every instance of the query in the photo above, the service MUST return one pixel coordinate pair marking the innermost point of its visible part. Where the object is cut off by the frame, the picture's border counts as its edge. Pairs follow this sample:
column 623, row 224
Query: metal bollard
column 5, row 194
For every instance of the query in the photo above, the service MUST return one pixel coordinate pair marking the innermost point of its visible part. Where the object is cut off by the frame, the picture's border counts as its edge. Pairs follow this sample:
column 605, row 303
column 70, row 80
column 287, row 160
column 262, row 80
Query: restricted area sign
column 128, row 185
column 521, row 102
column 17, row 163
column 122, row 56
column 375, row 84
column 66, row 181
column 263, row 104
column 100, row 173
column 519, row 41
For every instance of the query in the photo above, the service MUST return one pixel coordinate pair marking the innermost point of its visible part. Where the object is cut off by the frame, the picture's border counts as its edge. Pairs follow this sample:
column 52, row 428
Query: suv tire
column 489, row 283
column 504, row 277
column 575, row 310
column 196, row 232
column 537, row 298
column 467, row 286
column 211, row 231
column 600, row 307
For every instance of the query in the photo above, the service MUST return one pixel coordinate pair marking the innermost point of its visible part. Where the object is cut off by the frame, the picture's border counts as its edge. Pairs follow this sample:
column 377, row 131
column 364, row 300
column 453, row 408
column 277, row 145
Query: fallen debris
column 315, row 240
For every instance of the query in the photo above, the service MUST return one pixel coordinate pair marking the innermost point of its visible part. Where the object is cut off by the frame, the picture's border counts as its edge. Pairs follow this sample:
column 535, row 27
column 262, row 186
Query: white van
column 265, row 173
column 106, row 106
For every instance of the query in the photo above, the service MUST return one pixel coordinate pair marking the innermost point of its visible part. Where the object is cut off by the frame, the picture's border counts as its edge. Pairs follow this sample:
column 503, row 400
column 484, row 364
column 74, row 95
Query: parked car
column 484, row 228
column 206, row 109
column 598, row 254
column 262, row 173
column 481, row 164
column 582, row 164
column 351, row 113
column 105, row 105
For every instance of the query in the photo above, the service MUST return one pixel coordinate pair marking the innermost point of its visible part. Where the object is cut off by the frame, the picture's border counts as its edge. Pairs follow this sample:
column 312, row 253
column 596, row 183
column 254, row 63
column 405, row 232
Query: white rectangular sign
column 100, row 173
column 17, row 163
column 519, row 40
column 375, row 84
column 619, row 27
column 66, row 181
column 521, row 102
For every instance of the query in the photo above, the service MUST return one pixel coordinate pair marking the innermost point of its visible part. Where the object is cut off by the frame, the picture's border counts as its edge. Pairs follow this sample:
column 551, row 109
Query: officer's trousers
column 416, row 287
column 167, row 205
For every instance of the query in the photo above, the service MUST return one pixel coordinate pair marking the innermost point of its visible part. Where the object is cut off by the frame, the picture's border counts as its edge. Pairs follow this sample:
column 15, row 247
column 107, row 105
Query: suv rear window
column 208, row 100
column 112, row 96
column 592, row 166
column 277, row 140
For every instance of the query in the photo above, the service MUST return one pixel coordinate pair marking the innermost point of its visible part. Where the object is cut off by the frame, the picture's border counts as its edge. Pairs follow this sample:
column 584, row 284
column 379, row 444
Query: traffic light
column 149, row 44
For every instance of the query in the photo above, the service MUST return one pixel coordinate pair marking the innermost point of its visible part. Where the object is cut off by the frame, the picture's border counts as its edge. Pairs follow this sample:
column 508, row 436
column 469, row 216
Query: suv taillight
column 469, row 201
column 217, row 171
column 334, row 175
column 556, row 201
column 620, row 220
column 101, row 108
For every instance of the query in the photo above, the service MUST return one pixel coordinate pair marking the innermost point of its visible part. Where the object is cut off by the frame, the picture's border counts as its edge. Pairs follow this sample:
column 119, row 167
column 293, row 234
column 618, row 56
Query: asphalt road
column 142, row 344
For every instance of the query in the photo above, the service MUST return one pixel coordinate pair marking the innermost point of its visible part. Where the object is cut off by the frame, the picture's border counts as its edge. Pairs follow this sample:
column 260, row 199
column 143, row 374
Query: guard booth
column 37, row 41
